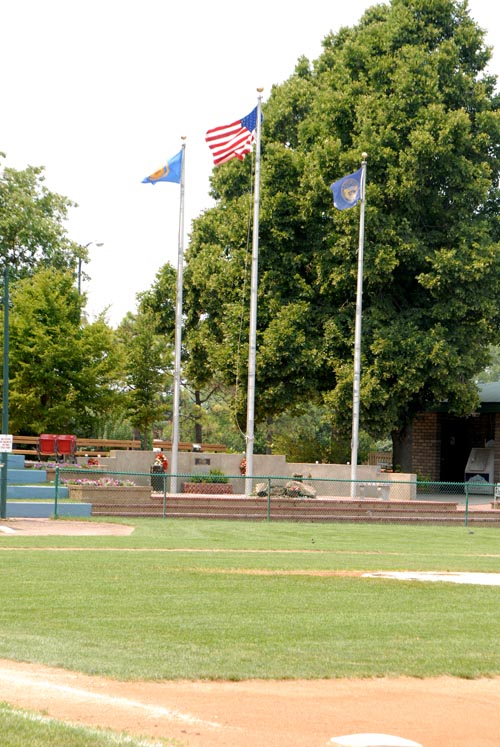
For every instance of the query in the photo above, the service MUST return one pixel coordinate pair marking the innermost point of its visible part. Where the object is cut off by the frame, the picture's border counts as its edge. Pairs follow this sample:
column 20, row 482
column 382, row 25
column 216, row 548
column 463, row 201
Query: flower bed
column 99, row 482
column 105, row 489
column 86, row 493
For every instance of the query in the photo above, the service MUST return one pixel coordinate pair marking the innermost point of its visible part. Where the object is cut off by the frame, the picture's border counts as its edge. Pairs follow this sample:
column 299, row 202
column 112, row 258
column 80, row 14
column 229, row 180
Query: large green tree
column 409, row 85
column 32, row 230
column 62, row 372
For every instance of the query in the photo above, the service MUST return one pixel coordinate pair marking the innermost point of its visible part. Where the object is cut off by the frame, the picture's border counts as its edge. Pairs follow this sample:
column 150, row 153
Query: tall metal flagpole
column 252, row 340
column 5, row 394
column 357, row 336
column 178, row 332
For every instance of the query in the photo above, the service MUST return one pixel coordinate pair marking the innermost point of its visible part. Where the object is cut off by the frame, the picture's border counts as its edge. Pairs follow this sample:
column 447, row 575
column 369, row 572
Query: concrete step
column 457, row 520
column 35, row 492
column 30, row 509
column 15, row 461
column 255, row 509
column 26, row 476
column 315, row 504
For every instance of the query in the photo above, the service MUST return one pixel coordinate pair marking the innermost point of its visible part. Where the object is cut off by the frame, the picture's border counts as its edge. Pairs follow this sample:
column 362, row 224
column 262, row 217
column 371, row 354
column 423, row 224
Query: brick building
column 441, row 443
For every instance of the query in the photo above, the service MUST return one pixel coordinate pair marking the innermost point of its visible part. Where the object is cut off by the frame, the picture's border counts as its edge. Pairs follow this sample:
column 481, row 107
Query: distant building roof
column 489, row 392
column 489, row 399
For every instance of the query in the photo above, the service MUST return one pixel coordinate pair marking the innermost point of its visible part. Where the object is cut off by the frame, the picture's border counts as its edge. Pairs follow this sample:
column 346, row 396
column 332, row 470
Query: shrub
column 215, row 475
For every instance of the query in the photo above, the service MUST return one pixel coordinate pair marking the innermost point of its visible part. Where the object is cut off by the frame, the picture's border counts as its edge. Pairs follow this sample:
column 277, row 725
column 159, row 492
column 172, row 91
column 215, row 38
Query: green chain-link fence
column 105, row 493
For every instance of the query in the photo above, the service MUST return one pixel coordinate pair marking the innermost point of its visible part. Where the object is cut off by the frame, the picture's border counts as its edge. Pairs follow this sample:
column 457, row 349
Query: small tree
column 148, row 359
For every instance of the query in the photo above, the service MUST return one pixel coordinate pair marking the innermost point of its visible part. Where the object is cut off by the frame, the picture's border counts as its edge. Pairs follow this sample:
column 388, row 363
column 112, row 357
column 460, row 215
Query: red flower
column 162, row 459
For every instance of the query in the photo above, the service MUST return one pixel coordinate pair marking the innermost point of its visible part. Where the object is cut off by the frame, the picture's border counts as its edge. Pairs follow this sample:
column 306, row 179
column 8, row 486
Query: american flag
column 233, row 140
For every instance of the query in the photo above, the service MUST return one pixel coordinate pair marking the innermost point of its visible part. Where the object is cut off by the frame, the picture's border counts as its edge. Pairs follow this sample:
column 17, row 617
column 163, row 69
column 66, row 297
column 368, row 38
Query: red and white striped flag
column 234, row 140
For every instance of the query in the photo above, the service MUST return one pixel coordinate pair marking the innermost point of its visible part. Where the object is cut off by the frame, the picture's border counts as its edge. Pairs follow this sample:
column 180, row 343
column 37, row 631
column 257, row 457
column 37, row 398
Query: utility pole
column 5, row 393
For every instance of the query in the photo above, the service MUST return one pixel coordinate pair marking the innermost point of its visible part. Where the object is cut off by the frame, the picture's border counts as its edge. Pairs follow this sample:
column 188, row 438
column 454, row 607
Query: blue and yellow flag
column 171, row 172
column 347, row 191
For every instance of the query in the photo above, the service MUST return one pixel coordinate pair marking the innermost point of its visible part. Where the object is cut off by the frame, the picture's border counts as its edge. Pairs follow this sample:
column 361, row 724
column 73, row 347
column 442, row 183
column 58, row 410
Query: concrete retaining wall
column 195, row 463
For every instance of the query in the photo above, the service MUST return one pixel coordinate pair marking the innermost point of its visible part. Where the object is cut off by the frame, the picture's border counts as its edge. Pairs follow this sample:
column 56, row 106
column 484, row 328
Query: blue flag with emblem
column 347, row 191
column 171, row 172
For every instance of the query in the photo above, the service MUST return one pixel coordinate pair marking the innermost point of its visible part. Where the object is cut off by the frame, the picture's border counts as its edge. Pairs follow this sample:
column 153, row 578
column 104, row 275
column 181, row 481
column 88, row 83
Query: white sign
column 5, row 443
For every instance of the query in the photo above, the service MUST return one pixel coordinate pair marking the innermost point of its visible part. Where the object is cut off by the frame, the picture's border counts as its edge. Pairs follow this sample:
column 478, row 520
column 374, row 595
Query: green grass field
column 21, row 728
column 229, row 600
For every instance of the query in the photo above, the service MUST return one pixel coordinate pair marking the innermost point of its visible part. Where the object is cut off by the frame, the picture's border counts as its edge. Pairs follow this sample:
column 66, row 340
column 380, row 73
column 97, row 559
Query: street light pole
column 5, row 392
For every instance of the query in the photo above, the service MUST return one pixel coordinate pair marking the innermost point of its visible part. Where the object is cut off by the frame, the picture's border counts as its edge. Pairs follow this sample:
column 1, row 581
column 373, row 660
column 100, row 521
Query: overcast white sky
column 100, row 92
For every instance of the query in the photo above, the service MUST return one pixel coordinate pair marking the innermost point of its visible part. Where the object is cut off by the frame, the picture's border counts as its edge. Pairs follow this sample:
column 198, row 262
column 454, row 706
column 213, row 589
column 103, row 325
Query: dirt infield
column 441, row 712
column 33, row 527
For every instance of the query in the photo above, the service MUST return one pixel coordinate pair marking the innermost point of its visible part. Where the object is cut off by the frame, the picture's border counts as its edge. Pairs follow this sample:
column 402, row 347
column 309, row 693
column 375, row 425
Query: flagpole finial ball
column 364, row 156
column 260, row 90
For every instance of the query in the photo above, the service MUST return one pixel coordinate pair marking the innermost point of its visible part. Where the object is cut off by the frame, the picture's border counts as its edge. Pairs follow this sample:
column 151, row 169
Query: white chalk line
column 22, row 680
column 483, row 579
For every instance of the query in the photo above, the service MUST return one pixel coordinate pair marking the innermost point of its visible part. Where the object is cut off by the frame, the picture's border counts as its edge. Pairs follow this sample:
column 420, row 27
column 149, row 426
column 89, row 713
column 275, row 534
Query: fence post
column 269, row 499
column 164, row 496
column 56, row 494
column 466, row 504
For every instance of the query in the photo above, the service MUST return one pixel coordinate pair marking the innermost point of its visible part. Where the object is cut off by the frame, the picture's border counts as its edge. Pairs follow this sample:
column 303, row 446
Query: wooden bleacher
column 104, row 445
column 28, row 445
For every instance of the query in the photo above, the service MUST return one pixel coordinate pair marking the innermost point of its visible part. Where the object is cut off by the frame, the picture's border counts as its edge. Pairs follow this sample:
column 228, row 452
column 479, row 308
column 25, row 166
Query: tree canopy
column 147, row 377
column 32, row 231
column 408, row 85
column 62, row 373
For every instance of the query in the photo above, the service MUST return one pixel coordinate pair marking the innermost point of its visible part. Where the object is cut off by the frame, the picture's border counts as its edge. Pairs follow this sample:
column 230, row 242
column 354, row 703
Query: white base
column 372, row 740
